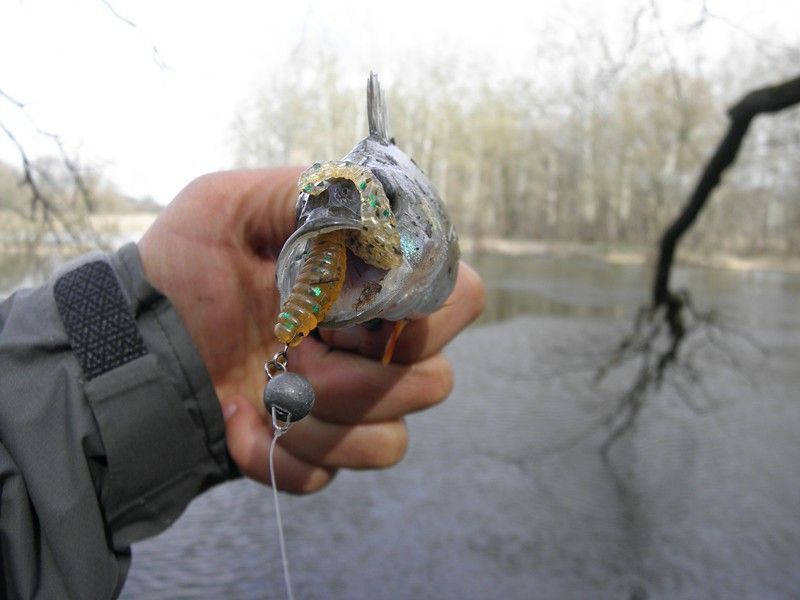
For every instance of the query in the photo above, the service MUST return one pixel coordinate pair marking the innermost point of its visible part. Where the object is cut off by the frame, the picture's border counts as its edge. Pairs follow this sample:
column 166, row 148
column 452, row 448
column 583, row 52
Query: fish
column 373, row 239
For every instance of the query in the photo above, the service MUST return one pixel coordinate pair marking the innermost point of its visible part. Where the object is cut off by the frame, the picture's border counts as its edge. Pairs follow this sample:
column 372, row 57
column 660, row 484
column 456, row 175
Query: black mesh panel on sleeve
column 98, row 320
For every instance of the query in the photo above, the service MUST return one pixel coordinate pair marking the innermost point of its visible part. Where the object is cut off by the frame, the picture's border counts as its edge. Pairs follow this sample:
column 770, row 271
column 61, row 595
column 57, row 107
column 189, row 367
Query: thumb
column 268, row 198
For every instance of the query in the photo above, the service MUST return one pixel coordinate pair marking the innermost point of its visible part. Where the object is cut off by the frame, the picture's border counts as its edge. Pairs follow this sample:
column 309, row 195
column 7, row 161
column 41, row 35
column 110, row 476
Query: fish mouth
column 368, row 292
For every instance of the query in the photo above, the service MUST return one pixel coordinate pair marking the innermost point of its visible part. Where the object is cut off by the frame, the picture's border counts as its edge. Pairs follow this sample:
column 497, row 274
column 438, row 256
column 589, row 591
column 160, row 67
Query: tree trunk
column 766, row 100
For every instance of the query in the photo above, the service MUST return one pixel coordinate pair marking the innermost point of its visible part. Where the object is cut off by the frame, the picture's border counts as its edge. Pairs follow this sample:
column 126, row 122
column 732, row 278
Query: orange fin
column 392, row 341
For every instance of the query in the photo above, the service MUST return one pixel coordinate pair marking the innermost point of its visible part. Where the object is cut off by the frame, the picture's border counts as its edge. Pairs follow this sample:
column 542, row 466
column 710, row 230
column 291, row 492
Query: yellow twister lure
column 324, row 269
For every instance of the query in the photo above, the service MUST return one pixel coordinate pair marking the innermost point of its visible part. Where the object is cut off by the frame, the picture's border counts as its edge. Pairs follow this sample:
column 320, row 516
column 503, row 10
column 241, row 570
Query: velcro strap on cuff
column 97, row 319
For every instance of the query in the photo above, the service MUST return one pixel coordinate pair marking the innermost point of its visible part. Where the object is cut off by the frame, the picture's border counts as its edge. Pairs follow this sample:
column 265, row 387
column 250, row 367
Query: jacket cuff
column 158, row 415
column 166, row 336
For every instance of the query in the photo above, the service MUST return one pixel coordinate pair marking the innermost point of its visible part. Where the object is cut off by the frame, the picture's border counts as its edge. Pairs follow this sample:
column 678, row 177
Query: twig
column 39, row 198
column 706, row 14
column 156, row 54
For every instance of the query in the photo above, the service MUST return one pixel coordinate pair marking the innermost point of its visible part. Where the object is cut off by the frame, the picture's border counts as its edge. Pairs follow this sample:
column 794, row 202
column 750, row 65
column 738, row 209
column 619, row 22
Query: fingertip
column 237, row 407
column 243, row 426
column 228, row 410
column 472, row 289
column 444, row 380
column 393, row 444
column 317, row 479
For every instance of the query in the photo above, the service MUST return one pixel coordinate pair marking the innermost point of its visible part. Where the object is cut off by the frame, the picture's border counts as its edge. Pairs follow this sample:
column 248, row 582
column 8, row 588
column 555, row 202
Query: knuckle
column 200, row 182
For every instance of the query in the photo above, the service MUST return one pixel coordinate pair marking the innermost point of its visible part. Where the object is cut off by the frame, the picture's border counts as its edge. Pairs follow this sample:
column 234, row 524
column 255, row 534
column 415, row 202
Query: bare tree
column 663, row 328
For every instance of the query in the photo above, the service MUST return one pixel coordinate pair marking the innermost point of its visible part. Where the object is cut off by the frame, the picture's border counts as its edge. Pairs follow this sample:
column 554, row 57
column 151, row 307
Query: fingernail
column 228, row 410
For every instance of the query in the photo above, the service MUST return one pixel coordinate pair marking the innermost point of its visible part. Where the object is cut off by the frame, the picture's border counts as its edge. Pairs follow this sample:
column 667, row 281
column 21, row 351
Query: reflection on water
column 581, row 286
column 558, row 286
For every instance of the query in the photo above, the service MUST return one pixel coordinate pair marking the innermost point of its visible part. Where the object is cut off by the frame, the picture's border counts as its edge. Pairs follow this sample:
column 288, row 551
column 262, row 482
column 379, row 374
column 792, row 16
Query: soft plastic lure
column 323, row 272
column 316, row 288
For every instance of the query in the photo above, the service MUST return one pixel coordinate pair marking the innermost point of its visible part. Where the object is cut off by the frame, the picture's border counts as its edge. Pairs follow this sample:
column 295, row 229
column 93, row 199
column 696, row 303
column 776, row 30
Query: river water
column 503, row 493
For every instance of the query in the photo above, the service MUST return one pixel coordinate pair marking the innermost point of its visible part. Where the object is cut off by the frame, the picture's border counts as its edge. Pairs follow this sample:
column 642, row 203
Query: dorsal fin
column 376, row 110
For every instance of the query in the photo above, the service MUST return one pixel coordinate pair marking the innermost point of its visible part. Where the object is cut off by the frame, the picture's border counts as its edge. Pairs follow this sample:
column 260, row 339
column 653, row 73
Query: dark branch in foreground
column 766, row 100
column 664, row 327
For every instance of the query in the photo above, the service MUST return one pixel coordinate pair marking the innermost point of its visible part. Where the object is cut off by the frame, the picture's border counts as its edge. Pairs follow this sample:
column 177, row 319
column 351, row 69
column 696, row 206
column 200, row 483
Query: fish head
column 427, row 269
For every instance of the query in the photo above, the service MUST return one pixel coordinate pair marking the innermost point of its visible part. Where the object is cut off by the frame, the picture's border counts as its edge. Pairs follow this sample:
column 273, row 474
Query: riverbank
column 626, row 255
column 108, row 230
column 116, row 229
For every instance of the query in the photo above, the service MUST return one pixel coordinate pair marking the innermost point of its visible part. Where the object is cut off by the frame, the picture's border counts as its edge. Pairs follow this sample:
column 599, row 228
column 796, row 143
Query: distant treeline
column 104, row 197
column 61, row 213
column 602, row 154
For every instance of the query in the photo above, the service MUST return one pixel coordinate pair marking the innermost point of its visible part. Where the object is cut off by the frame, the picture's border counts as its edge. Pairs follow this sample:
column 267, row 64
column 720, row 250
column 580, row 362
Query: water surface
column 503, row 493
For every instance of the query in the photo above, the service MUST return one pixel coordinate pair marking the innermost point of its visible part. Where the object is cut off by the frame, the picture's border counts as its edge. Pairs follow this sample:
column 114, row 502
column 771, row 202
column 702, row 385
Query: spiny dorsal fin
column 376, row 109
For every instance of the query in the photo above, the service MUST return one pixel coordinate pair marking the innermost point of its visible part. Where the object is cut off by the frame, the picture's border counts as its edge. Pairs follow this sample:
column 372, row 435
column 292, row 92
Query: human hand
column 212, row 252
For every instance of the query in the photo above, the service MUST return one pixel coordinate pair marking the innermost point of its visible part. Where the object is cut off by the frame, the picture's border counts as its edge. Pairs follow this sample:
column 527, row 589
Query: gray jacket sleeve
column 109, row 426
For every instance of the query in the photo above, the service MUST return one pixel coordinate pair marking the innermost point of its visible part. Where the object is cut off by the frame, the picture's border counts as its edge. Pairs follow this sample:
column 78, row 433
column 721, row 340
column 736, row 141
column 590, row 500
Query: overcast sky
column 154, row 122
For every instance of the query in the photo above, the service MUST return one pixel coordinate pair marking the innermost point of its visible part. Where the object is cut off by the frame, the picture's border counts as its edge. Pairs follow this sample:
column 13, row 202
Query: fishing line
column 288, row 397
column 277, row 432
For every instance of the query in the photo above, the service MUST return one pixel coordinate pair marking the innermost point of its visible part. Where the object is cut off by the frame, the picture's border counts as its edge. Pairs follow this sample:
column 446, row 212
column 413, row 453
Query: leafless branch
column 667, row 327
column 673, row 63
column 40, row 199
column 760, row 42
column 13, row 101
column 156, row 54
column 618, row 64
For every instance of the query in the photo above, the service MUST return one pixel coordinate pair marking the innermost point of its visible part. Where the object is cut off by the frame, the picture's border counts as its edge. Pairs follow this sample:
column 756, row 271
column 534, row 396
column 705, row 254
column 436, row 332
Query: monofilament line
column 278, row 431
